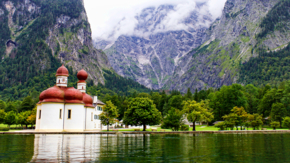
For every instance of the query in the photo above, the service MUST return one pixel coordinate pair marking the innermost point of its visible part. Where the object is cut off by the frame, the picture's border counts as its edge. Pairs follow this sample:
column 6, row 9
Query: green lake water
column 190, row 148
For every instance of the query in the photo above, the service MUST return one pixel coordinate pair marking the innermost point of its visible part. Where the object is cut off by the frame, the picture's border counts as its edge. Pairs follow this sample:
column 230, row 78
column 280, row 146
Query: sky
column 111, row 18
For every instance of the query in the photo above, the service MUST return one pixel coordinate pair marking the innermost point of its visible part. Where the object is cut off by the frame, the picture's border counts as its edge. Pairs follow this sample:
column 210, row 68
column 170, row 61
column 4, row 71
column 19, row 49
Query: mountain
column 247, row 44
column 152, row 55
column 230, row 43
column 37, row 36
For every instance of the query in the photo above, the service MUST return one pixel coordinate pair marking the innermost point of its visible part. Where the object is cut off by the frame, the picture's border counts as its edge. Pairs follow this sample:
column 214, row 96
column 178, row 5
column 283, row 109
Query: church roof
column 100, row 102
column 62, row 71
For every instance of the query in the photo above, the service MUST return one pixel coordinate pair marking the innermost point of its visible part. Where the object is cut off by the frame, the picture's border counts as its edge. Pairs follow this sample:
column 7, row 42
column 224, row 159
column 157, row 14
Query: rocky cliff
column 152, row 56
column 230, row 41
column 39, row 32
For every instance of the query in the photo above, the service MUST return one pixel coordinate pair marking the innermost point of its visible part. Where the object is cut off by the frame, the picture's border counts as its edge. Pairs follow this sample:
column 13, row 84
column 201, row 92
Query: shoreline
column 150, row 132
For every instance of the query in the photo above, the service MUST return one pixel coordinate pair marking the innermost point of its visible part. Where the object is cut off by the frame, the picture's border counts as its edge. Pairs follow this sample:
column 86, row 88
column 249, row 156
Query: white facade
column 61, row 81
column 93, row 121
column 67, row 109
column 54, row 117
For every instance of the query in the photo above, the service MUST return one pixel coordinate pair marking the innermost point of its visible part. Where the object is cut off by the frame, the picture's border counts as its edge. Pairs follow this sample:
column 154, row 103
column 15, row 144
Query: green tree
column 2, row 116
column 142, row 111
column 174, row 119
column 278, row 112
column 176, row 102
column 144, row 95
column 31, row 119
column 275, row 124
column 188, row 95
column 109, row 114
column 10, row 118
column 22, row 118
column 220, row 125
column 231, row 120
column 196, row 112
column 226, row 99
column 156, row 97
column 27, row 104
column 2, row 105
column 286, row 122
column 10, row 107
column 255, row 120
column 242, row 116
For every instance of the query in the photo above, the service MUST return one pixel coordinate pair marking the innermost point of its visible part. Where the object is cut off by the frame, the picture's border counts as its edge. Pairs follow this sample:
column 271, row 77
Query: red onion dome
column 82, row 75
column 73, row 95
column 88, row 100
column 53, row 94
column 62, row 71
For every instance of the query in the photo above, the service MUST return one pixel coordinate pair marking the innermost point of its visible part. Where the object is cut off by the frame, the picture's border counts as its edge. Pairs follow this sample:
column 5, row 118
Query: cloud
column 112, row 18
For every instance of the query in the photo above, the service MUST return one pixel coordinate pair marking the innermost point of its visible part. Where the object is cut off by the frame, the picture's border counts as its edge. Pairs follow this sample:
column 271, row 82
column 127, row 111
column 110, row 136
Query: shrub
column 220, row 125
column 4, row 129
column 184, row 128
column 286, row 122
column 275, row 124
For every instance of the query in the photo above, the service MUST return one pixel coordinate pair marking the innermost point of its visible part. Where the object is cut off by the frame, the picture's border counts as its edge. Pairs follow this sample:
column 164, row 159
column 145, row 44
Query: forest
column 268, row 104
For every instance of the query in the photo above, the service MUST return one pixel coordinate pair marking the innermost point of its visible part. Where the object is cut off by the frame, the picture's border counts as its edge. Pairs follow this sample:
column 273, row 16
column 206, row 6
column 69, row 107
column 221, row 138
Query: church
column 61, row 108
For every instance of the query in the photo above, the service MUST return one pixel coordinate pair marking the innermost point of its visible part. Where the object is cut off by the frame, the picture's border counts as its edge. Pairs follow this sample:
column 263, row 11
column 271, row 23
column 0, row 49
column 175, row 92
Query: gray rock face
column 152, row 58
column 69, row 38
column 199, row 57
column 228, row 43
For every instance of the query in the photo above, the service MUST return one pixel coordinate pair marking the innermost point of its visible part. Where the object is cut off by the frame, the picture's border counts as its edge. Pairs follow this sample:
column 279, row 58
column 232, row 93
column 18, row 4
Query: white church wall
column 50, row 117
column 76, row 121
column 91, row 122
column 37, row 123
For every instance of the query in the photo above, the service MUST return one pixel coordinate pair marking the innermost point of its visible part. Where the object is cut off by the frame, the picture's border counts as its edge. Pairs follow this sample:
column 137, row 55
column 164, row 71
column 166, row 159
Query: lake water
column 146, row 148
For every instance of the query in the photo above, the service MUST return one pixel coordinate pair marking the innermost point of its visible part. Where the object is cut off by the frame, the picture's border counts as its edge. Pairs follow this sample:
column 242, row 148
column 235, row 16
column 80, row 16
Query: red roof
column 88, row 100
column 82, row 75
column 62, row 95
column 53, row 94
column 62, row 71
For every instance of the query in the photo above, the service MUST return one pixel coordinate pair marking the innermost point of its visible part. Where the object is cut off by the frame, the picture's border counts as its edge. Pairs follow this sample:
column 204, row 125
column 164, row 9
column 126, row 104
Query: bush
column 275, row 124
column 4, row 129
column 286, row 122
column 184, row 127
column 220, row 125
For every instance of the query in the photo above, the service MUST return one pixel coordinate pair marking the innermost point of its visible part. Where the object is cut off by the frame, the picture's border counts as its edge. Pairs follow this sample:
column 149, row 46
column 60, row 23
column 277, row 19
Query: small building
column 61, row 108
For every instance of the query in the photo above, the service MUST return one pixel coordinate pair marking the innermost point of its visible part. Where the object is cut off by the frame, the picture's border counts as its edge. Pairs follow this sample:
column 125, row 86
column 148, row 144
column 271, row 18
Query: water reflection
column 66, row 148
column 146, row 148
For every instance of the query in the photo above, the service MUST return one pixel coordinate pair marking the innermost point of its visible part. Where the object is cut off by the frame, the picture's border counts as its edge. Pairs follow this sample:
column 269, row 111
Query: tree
column 286, row 122
column 2, row 115
column 144, row 95
column 220, row 125
column 176, row 102
column 275, row 124
column 142, row 111
column 2, row 105
column 266, row 103
column 231, row 120
column 196, row 112
column 226, row 99
column 22, row 118
column 278, row 112
column 10, row 118
column 109, row 114
column 174, row 119
column 255, row 120
column 10, row 107
column 27, row 104
column 156, row 97
column 188, row 95
column 31, row 119
column 242, row 115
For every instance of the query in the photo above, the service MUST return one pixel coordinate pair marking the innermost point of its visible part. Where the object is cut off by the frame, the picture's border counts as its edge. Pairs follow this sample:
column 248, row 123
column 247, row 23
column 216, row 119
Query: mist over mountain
column 161, row 36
